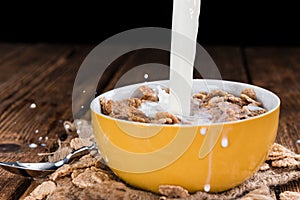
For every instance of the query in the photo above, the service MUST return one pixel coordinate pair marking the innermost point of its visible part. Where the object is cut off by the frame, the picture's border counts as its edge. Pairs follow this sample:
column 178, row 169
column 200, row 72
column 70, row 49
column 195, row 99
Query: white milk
column 184, row 22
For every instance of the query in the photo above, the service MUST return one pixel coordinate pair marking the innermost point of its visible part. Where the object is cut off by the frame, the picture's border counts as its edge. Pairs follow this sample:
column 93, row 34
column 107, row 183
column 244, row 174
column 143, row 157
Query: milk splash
column 184, row 23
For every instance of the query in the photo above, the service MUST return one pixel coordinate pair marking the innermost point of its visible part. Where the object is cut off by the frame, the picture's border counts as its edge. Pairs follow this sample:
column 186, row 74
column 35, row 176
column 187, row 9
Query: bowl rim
column 243, row 85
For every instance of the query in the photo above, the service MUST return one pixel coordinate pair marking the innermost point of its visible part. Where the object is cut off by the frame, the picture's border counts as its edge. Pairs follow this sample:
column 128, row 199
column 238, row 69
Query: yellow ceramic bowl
column 209, row 157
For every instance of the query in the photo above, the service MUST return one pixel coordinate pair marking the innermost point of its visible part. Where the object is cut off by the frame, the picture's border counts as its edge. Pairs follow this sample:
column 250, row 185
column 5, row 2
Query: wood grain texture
column 155, row 63
column 133, row 66
column 43, row 75
column 229, row 60
column 278, row 70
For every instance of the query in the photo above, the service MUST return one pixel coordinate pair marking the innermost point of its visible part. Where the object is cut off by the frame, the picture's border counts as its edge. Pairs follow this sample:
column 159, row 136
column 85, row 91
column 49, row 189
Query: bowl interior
column 269, row 99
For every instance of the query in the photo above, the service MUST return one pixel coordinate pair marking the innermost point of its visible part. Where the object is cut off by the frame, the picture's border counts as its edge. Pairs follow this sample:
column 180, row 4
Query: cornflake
column 215, row 106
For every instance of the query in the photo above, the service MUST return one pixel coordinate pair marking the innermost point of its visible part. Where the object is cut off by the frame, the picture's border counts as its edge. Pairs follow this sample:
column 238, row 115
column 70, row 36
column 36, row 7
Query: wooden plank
column 30, row 188
column 132, row 61
column 7, row 51
column 46, row 74
column 46, row 80
column 230, row 64
column 229, row 61
column 278, row 69
column 227, row 58
column 24, row 59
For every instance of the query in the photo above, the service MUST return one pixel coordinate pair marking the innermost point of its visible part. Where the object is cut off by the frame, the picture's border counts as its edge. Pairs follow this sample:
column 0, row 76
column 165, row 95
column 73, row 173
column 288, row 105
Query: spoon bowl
column 39, row 170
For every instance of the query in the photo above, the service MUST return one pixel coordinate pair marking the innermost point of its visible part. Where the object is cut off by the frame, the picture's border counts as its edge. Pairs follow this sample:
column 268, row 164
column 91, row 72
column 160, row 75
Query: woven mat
column 88, row 178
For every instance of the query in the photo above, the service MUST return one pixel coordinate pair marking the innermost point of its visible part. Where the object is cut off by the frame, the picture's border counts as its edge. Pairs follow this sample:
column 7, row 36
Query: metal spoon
column 43, row 169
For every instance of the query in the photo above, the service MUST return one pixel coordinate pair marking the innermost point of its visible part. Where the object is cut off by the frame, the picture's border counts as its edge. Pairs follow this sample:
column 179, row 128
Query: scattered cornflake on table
column 262, row 193
column 286, row 162
column 42, row 191
column 84, row 162
column 278, row 151
column 173, row 191
column 264, row 167
column 288, row 195
column 283, row 157
column 65, row 170
column 77, row 143
column 90, row 177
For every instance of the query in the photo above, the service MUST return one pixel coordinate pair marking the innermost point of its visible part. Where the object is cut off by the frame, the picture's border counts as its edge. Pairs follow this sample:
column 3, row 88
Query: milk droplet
column 78, row 131
column 36, row 131
column 32, row 106
column 203, row 131
column 82, row 107
column 83, row 91
column 206, row 187
column 32, row 145
column 67, row 126
column 40, row 138
column 191, row 12
column 46, row 138
column 43, row 144
column 146, row 76
column 224, row 142
column 298, row 141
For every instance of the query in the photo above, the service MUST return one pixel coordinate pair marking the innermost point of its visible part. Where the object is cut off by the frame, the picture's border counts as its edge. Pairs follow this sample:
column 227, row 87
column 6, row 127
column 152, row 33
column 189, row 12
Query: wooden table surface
column 44, row 74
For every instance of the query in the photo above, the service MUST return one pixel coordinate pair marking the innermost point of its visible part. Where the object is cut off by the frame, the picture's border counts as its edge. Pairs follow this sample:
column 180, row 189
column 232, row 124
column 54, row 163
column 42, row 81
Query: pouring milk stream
column 183, row 51
column 184, row 26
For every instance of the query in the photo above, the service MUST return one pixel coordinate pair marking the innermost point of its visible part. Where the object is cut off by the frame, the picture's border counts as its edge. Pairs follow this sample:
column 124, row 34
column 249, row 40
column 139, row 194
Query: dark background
column 221, row 22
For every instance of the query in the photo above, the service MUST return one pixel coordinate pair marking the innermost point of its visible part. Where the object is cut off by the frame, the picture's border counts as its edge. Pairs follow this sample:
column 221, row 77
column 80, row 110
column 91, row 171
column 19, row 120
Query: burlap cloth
column 88, row 178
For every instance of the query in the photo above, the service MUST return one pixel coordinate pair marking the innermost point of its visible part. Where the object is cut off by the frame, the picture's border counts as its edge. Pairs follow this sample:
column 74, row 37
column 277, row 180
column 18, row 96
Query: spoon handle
column 80, row 152
column 75, row 154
